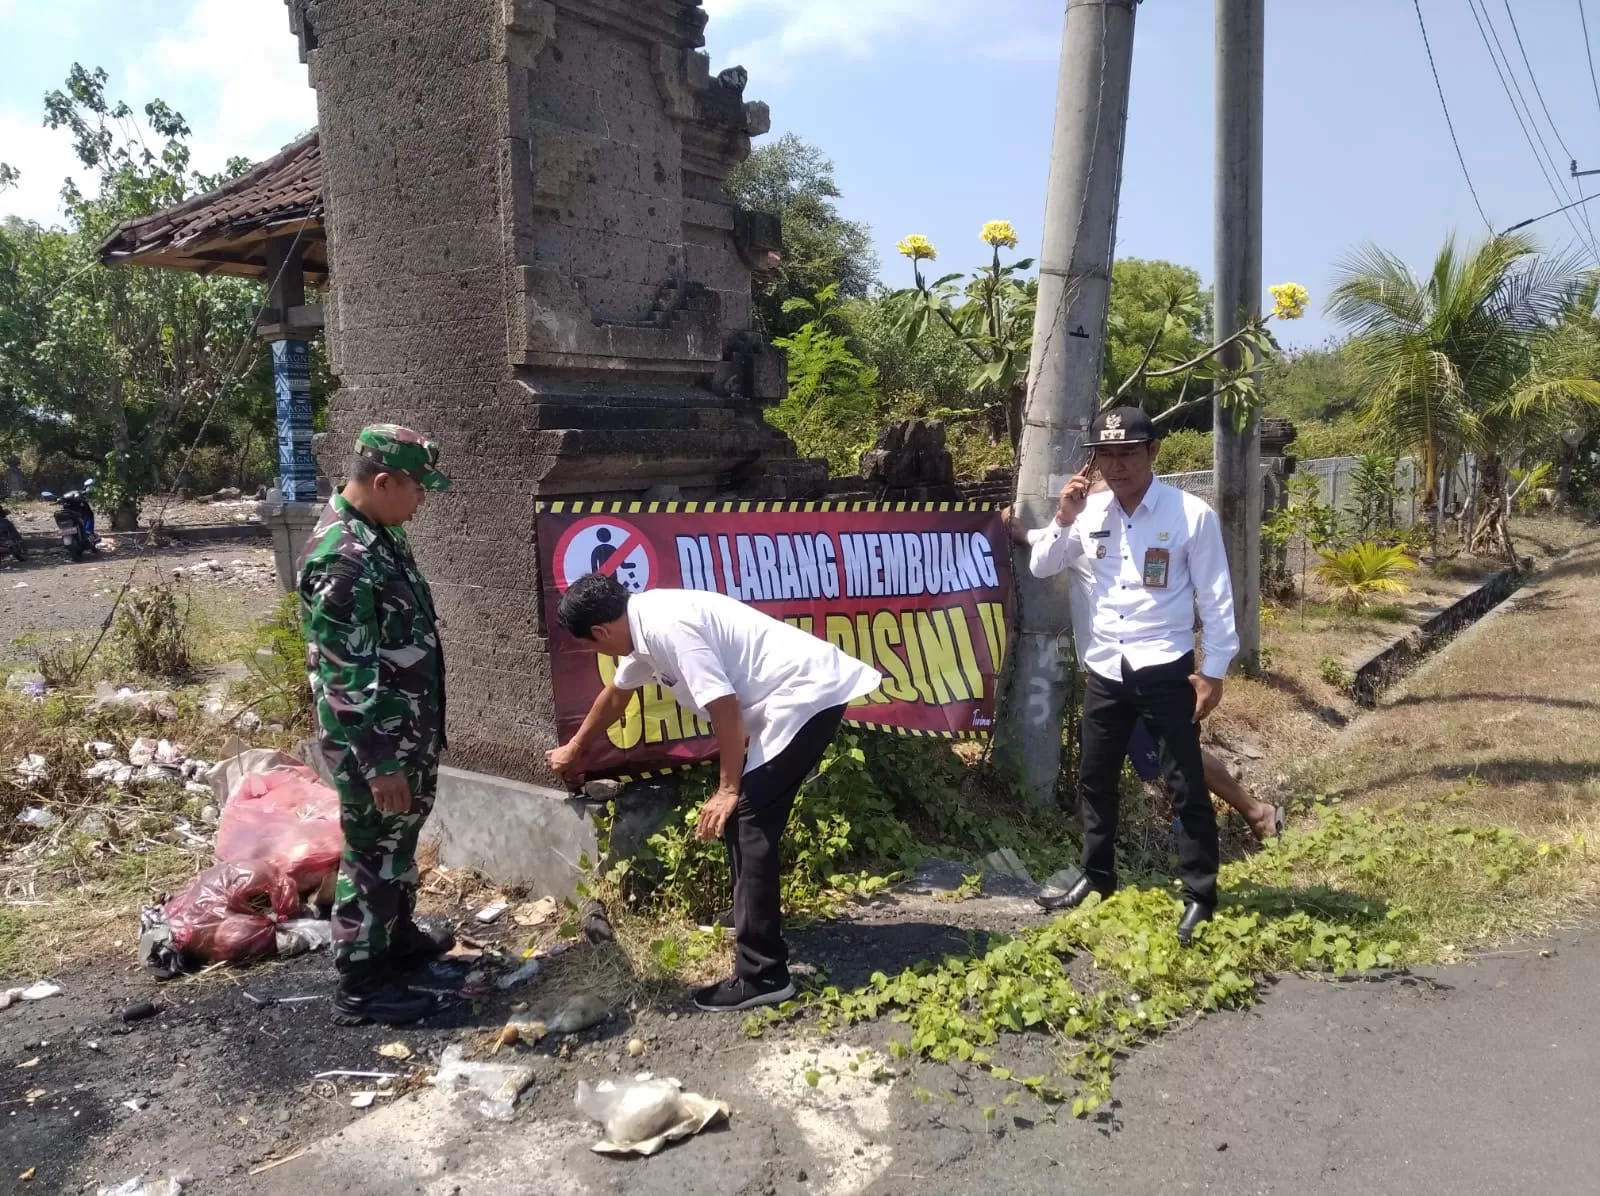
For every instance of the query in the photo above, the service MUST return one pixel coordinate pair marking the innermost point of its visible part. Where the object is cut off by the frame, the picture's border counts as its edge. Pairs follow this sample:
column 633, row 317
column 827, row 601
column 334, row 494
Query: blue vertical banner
column 291, row 373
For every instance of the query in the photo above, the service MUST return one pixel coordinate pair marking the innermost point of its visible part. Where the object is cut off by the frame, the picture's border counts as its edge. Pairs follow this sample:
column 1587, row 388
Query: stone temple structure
column 532, row 258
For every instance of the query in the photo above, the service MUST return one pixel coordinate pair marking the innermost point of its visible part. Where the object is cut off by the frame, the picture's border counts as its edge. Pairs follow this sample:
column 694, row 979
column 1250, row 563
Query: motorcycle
column 75, row 521
column 10, row 538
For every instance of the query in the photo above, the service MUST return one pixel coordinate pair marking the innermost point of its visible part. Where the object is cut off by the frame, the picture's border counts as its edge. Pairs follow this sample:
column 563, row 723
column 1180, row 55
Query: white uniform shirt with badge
column 703, row 646
column 1139, row 579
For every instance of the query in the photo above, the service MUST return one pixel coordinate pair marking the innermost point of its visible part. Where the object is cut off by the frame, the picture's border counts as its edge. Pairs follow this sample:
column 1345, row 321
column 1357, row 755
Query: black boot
column 414, row 945
column 367, row 992
column 1057, row 901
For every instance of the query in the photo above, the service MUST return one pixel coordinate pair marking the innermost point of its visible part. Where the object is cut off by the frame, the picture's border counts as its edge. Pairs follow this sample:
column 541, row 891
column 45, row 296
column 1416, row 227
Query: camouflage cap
column 401, row 449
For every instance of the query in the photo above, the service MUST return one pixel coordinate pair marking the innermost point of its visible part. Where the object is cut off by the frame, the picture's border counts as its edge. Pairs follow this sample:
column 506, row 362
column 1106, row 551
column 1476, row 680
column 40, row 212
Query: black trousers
column 766, row 796
column 1162, row 696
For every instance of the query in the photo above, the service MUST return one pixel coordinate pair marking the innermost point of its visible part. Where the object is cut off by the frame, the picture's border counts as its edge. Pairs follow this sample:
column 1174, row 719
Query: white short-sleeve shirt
column 703, row 646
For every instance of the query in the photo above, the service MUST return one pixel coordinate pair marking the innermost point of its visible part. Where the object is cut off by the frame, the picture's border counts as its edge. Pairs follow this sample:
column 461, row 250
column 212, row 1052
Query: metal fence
column 1336, row 485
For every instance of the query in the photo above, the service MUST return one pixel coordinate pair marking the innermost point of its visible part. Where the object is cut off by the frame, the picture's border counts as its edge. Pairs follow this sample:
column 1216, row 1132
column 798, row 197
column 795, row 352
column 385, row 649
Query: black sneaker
column 732, row 996
column 365, row 997
column 414, row 945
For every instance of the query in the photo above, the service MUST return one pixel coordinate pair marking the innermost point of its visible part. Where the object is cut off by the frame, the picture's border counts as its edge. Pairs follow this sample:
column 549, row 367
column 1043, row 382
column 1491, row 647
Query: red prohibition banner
column 919, row 591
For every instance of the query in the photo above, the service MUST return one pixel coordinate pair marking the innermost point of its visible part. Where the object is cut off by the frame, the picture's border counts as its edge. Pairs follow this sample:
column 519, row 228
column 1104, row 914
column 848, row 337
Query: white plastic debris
column 302, row 935
column 137, row 1186
column 103, row 770
column 34, row 992
column 199, row 790
column 142, row 752
column 362, row 1100
column 527, row 971
column 38, row 816
column 98, row 749
column 154, row 703
column 492, row 912
column 499, row 1084
column 583, row 1011
column 33, row 768
column 642, row 1115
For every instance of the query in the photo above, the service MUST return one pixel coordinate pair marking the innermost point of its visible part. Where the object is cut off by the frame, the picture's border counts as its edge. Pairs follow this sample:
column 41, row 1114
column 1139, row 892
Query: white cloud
column 856, row 28
column 241, row 54
column 45, row 159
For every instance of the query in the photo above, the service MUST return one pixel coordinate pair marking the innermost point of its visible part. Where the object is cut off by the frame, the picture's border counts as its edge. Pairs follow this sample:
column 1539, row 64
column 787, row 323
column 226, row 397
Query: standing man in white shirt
column 1144, row 558
column 752, row 677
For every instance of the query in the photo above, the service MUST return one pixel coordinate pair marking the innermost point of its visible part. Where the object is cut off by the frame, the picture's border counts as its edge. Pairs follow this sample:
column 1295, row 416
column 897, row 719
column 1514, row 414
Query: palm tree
column 1443, row 355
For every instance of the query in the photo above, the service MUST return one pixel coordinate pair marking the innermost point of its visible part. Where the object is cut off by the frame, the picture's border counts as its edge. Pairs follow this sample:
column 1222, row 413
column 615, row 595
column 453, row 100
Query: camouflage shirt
column 372, row 646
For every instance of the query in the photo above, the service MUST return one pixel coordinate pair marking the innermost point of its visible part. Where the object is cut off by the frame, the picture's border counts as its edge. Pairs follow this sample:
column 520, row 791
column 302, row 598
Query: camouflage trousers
column 378, row 875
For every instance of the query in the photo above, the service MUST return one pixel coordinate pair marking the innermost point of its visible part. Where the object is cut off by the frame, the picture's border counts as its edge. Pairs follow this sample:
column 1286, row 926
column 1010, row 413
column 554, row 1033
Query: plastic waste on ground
column 238, row 762
column 286, row 817
column 38, row 816
column 581, row 1012
column 527, row 971
column 642, row 1115
column 232, row 911
column 139, row 1186
column 33, row 769
column 154, row 703
column 498, row 1084
column 33, row 992
column 303, row 935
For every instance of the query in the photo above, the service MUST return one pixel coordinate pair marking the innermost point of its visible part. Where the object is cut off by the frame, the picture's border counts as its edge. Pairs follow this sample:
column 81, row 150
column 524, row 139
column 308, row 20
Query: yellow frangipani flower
column 1289, row 300
column 1000, row 234
column 918, row 248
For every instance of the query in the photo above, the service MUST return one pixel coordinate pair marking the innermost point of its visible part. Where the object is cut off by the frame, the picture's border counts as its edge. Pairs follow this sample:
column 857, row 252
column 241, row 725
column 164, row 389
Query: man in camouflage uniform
column 377, row 675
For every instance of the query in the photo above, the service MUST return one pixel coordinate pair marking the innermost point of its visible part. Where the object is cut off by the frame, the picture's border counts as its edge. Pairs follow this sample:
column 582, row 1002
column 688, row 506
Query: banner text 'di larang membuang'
column 919, row 591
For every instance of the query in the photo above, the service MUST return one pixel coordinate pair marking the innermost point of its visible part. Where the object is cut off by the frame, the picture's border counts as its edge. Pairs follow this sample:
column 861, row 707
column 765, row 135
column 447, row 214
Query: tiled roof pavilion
column 226, row 231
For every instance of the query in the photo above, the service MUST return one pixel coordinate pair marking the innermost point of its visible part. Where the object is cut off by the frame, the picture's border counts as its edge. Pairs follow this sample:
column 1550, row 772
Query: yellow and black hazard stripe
column 639, row 507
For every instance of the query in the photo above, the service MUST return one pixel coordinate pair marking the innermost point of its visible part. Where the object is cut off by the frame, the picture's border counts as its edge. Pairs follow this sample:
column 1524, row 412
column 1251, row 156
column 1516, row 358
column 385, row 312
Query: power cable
column 1449, row 124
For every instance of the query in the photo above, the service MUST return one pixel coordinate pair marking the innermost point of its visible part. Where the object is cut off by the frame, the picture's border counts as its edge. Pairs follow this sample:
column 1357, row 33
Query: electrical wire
column 1449, row 124
column 1513, row 92
column 1550, row 120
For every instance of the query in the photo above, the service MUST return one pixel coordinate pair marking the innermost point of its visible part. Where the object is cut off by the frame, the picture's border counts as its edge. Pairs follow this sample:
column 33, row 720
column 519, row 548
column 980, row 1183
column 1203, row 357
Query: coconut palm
column 1443, row 355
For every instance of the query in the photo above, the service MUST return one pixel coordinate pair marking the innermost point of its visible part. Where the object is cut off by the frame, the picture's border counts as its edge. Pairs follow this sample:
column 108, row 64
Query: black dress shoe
column 1057, row 902
column 1193, row 914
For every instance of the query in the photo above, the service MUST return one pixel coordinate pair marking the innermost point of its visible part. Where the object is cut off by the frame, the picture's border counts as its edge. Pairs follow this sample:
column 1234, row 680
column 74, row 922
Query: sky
column 938, row 116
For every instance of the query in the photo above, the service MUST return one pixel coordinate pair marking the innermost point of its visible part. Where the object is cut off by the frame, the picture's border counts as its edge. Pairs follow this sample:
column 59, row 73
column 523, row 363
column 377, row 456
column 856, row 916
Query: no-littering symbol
column 605, row 544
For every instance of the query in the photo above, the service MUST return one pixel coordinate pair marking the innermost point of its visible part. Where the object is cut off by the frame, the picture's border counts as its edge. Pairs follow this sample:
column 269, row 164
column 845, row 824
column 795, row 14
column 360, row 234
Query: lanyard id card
column 1156, row 562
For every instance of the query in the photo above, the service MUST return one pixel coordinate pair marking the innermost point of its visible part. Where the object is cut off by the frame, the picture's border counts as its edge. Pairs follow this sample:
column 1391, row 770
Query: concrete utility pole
column 1065, row 370
column 1241, row 54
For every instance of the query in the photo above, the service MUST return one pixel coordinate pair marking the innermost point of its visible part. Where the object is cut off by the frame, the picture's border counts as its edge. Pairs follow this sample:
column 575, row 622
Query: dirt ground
column 48, row 594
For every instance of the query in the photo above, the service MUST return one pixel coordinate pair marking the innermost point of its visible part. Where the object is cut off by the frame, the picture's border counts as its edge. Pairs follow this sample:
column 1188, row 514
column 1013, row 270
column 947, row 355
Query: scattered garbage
column 155, row 704
column 171, row 1186
column 38, row 816
column 499, row 1084
column 98, row 749
column 536, row 913
column 33, row 992
column 142, row 1011
column 527, row 971
column 363, row 1100
column 359, row 1075
column 642, row 1115
column 303, row 935
column 581, row 1012
column 137, row 1104
column 285, row 817
column 34, row 769
column 31, row 685
column 596, row 923
column 492, row 913
column 395, row 1050
column 635, row 1047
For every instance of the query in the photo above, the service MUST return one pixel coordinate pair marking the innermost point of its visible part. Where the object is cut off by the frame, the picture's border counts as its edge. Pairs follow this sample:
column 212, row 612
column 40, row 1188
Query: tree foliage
column 115, row 371
column 794, row 180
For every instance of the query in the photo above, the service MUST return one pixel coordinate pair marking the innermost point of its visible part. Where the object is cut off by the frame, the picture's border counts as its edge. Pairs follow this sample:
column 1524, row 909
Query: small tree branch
column 1149, row 352
column 1208, row 354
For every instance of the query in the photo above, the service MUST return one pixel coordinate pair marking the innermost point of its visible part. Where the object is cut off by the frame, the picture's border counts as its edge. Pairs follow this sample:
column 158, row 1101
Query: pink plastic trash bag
column 288, row 817
column 232, row 911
